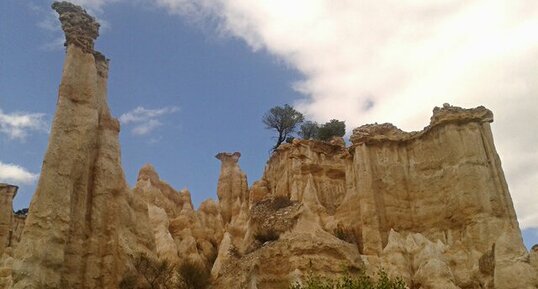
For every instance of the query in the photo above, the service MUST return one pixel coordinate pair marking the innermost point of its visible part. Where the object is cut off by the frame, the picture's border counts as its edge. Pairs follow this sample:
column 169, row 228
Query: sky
column 191, row 78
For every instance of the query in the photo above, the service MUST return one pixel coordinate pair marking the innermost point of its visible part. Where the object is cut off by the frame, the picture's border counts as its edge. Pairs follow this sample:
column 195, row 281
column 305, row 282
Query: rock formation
column 7, row 218
column 432, row 206
column 73, row 234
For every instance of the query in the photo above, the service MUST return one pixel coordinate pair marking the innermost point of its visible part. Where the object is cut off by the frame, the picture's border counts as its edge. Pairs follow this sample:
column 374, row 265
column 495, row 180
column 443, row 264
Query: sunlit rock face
column 432, row 206
column 81, row 225
column 180, row 232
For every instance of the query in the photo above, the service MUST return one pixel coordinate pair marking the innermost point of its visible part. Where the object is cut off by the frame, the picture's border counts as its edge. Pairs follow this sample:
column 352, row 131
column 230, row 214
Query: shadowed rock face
column 7, row 193
column 431, row 206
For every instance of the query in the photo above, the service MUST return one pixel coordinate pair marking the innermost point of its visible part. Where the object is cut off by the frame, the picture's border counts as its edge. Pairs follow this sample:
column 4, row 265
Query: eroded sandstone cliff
column 74, row 234
column 432, row 206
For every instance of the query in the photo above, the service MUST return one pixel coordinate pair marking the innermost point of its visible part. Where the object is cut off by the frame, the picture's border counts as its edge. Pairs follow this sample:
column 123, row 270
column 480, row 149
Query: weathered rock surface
column 75, row 234
column 7, row 218
column 180, row 232
column 432, row 206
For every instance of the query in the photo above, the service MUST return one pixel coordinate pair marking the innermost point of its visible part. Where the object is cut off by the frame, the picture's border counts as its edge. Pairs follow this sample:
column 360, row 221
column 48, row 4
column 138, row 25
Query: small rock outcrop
column 80, row 28
column 7, row 218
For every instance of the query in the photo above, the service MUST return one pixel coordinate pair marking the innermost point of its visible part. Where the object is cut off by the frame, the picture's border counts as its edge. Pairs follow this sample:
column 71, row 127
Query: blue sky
column 190, row 78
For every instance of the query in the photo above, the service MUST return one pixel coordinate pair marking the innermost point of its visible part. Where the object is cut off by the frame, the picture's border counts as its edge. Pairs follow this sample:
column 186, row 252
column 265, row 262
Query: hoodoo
column 72, row 234
column 432, row 207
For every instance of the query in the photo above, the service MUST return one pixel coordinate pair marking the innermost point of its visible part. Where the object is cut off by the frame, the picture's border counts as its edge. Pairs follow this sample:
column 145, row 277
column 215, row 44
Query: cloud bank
column 144, row 120
column 369, row 61
column 15, row 174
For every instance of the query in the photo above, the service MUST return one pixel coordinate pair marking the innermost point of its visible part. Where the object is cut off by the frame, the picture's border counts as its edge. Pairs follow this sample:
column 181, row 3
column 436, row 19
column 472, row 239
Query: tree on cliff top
column 331, row 129
column 309, row 130
column 324, row 132
column 284, row 120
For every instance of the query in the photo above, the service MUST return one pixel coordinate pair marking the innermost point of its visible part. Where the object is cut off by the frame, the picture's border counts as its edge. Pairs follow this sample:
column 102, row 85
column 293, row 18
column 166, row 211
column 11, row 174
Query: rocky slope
column 431, row 206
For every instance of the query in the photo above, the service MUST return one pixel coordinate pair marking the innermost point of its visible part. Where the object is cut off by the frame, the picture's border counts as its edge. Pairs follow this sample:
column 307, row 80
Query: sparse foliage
column 324, row 132
column 150, row 273
column 22, row 212
column 192, row 275
column 331, row 129
column 359, row 280
column 309, row 130
column 283, row 119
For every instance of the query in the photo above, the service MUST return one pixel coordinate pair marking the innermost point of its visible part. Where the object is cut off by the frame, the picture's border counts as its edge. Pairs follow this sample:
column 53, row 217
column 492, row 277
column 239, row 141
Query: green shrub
column 357, row 280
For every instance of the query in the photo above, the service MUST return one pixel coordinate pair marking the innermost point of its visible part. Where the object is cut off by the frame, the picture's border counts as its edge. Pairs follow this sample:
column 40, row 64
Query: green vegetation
column 284, row 120
column 324, row 132
column 352, row 281
column 332, row 128
column 309, row 130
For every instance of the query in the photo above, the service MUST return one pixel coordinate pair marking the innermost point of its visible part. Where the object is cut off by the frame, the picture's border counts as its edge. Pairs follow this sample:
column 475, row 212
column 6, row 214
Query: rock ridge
column 371, row 133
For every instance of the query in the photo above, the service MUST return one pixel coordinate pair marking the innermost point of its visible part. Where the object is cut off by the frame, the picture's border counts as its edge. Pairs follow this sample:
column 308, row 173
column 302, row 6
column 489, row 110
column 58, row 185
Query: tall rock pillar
column 233, row 194
column 232, row 188
column 71, row 237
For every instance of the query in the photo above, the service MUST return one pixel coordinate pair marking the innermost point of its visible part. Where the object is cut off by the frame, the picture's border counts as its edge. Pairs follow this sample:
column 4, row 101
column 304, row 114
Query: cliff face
column 431, row 206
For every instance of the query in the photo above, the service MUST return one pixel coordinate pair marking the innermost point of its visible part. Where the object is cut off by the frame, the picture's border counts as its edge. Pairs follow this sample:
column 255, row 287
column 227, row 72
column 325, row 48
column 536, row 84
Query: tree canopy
column 309, row 130
column 284, row 120
column 331, row 129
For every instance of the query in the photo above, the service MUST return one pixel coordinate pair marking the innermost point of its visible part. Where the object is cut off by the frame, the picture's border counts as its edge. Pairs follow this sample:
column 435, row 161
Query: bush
column 191, row 275
column 309, row 130
column 152, row 273
column 156, row 274
column 324, row 132
column 358, row 280
column 331, row 129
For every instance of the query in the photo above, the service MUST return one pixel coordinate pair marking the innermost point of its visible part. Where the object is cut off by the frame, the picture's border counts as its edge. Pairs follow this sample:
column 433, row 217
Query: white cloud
column 15, row 174
column 19, row 124
column 145, row 120
column 404, row 57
